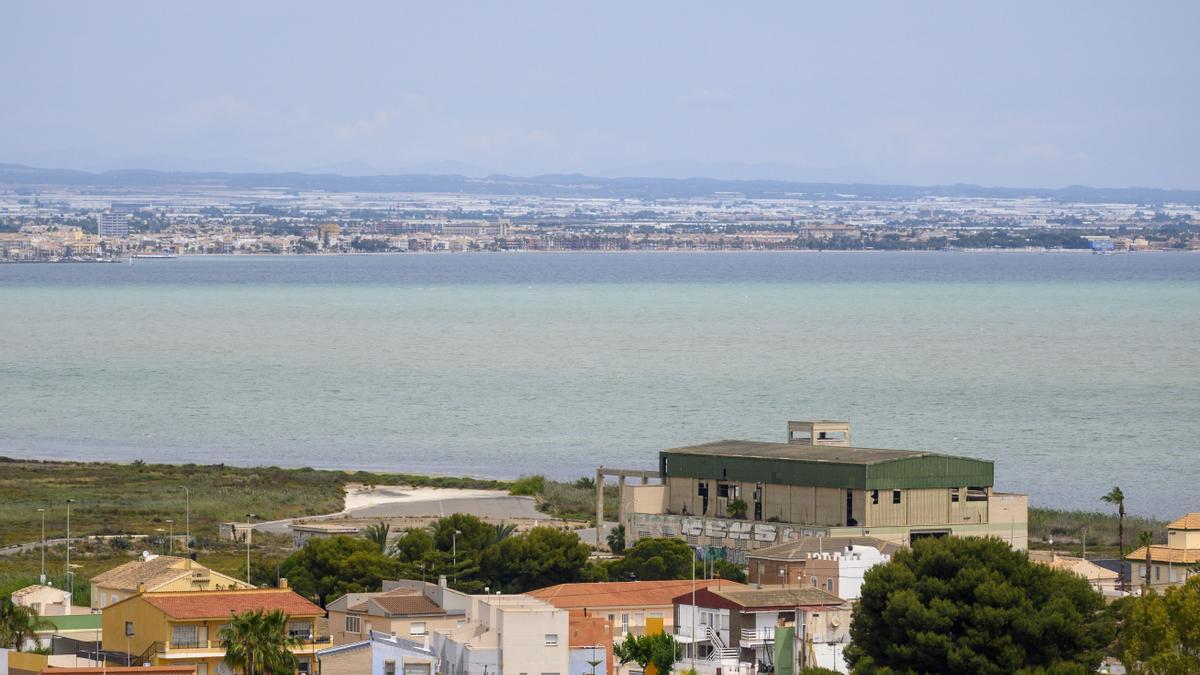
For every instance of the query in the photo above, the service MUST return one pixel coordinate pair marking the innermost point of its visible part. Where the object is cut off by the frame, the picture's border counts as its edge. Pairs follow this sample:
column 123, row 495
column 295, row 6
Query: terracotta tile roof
column 623, row 593
column 1190, row 521
column 154, row 572
column 1163, row 554
column 404, row 605
column 220, row 604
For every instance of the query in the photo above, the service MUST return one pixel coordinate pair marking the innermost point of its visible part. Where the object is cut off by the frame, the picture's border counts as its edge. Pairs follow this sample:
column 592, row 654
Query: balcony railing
column 185, row 648
column 758, row 637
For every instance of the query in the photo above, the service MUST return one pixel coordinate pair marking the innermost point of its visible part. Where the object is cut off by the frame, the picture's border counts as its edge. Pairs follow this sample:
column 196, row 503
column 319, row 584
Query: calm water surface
column 1073, row 372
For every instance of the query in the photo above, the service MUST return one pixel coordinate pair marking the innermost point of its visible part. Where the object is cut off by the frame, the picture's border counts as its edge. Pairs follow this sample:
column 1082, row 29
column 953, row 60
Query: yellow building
column 1170, row 565
column 157, row 573
column 183, row 628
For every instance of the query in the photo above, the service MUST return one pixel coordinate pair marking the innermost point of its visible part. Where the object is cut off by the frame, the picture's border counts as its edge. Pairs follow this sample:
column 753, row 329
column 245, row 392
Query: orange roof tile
column 623, row 593
column 407, row 605
column 1163, row 554
column 1190, row 521
column 220, row 604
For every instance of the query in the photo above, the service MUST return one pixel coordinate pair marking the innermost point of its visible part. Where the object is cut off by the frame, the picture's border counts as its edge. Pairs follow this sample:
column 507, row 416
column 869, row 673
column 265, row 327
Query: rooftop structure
column 379, row 654
column 742, row 495
column 152, row 573
column 1172, row 563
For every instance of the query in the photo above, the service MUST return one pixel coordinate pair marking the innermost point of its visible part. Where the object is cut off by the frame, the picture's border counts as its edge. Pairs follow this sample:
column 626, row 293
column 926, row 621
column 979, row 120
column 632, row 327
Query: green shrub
column 528, row 486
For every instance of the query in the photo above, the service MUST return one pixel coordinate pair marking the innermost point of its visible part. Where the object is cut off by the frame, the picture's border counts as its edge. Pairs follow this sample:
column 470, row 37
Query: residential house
column 402, row 611
column 378, row 654
column 45, row 600
column 510, row 634
column 1101, row 578
column 183, row 627
column 157, row 573
column 740, row 628
column 627, row 605
column 833, row 564
column 1170, row 564
column 744, row 495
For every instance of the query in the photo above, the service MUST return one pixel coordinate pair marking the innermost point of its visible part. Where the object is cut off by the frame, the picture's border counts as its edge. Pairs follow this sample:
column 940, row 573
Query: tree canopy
column 968, row 605
column 657, row 649
column 328, row 568
column 1160, row 634
column 543, row 556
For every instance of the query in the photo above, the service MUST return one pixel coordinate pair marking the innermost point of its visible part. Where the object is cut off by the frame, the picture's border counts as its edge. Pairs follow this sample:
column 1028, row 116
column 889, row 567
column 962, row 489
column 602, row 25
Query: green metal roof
column 824, row 466
column 75, row 621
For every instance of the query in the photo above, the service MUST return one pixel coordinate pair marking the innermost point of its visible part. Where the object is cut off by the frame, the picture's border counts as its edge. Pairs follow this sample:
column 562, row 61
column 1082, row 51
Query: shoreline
column 428, row 481
column 805, row 251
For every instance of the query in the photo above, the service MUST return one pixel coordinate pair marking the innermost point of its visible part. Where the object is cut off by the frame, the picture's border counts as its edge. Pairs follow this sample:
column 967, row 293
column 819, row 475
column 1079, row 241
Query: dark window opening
column 895, row 496
column 850, row 521
column 977, row 494
column 874, row 496
column 954, row 495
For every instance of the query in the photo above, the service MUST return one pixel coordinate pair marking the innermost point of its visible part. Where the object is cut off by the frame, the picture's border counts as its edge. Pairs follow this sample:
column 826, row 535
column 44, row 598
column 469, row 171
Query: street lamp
column 70, row 574
column 187, row 515
column 43, row 512
column 454, row 546
column 248, row 517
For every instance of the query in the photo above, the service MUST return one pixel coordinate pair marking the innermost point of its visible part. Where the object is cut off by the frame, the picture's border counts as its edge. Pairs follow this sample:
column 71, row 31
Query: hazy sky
column 1012, row 93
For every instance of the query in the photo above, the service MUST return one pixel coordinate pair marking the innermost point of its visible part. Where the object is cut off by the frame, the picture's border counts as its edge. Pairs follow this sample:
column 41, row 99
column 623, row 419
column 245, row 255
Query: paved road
column 497, row 507
column 14, row 549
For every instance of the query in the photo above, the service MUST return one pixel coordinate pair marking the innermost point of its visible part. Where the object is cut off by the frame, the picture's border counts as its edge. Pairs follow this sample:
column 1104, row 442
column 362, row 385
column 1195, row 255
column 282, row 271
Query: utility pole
column 43, row 512
column 454, row 545
column 187, row 516
column 70, row 575
column 248, row 529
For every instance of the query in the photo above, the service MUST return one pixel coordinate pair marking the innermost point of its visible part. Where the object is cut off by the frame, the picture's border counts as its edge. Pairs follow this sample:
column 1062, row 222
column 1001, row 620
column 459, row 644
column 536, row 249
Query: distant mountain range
column 567, row 185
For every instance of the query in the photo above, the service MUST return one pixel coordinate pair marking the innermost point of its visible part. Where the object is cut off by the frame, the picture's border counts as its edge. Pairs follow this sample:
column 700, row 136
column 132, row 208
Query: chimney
column 141, row 587
column 442, row 580
column 283, row 582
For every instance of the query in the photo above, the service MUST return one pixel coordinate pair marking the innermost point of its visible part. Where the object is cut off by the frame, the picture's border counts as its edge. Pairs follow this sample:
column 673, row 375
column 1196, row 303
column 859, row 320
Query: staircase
column 720, row 651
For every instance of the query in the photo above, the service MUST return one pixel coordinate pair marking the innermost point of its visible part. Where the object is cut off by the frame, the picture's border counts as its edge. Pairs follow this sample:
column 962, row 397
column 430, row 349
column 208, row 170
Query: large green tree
column 327, row 568
column 1160, row 634
column 659, row 649
column 543, row 556
column 257, row 643
column 968, row 605
column 654, row 558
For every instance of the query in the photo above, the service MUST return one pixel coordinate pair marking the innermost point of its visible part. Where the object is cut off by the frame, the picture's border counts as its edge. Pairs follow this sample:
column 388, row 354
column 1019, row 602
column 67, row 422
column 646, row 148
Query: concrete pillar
column 599, row 507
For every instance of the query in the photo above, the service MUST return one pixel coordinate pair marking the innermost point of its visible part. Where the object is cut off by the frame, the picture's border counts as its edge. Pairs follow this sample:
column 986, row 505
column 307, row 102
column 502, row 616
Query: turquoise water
column 1073, row 372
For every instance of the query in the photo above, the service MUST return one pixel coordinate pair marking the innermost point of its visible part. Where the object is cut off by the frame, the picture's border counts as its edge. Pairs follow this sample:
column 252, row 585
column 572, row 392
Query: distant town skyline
column 1008, row 94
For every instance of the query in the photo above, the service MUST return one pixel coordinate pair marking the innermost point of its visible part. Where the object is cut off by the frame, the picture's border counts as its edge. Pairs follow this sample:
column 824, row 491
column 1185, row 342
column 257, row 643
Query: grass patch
column 1069, row 528
column 139, row 498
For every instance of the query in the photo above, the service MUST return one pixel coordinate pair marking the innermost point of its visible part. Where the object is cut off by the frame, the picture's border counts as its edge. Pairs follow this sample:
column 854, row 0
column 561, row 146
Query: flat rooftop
column 809, row 453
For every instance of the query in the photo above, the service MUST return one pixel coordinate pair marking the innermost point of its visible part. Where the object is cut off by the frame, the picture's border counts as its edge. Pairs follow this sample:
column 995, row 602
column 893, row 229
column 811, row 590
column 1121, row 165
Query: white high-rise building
column 110, row 225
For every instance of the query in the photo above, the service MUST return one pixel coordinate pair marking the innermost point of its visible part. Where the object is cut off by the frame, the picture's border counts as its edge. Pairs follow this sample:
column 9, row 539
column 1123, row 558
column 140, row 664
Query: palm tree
column 257, row 642
column 502, row 531
column 616, row 540
column 1145, row 539
column 1115, row 496
column 20, row 624
column 378, row 533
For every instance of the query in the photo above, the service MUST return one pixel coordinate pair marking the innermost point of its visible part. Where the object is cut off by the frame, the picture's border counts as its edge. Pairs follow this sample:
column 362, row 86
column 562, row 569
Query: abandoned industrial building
column 738, row 496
